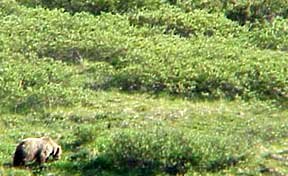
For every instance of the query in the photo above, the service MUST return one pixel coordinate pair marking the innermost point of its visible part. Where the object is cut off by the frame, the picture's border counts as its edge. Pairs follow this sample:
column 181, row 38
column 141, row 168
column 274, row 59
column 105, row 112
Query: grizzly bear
column 36, row 149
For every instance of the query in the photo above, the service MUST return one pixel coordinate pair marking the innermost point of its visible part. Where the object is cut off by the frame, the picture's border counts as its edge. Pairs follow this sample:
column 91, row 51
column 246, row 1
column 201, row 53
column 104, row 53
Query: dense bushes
column 258, row 11
column 51, row 58
column 168, row 150
column 146, row 60
column 241, row 10
column 57, row 35
column 199, row 22
column 28, row 83
column 94, row 6
column 271, row 36
column 216, row 70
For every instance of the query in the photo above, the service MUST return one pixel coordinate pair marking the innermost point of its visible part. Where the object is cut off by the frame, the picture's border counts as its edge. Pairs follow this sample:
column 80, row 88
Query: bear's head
column 55, row 150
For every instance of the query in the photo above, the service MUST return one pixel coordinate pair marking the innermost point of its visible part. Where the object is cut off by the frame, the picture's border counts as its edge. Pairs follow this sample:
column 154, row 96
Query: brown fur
column 36, row 149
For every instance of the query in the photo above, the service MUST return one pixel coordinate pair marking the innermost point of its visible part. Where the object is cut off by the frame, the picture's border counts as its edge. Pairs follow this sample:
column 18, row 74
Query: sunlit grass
column 243, row 127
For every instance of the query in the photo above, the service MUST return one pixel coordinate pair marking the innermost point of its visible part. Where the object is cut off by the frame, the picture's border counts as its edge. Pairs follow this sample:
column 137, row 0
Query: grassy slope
column 252, row 129
column 228, row 137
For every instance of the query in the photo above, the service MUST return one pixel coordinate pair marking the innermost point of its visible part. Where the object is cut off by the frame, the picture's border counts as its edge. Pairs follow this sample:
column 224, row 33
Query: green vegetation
column 146, row 87
column 95, row 7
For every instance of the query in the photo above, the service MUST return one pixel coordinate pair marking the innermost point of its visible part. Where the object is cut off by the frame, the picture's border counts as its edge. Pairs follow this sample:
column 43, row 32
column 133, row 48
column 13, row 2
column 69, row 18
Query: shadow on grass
column 101, row 166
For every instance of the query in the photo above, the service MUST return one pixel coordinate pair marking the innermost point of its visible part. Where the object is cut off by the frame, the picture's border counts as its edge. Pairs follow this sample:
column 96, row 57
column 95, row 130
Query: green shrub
column 138, row 58
column 94, row 6
column 190, row 5
column 242, row 11
column 271, row 36
column 258, row 11
column 206, row 68
column 168, row 150
column 96, row 76
column 198, row 22
column 32, row 83
column 60, row 36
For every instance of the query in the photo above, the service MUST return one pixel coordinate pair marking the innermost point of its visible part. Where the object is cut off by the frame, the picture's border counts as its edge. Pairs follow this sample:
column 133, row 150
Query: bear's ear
column 58, row 138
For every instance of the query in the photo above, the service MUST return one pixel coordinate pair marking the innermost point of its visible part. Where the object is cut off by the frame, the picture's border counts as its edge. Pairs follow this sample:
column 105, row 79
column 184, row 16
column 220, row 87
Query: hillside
column 156, row 87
